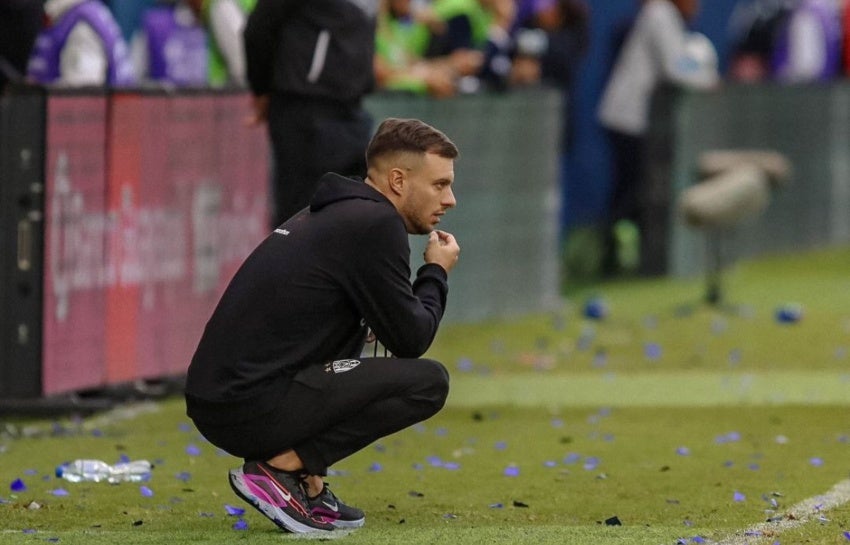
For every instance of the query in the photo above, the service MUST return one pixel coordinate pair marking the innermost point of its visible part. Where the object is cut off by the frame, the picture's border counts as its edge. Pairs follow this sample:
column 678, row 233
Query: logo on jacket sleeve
column 341, row 366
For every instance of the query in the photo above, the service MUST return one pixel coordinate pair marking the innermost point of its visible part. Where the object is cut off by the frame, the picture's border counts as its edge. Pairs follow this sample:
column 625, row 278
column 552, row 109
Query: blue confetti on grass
column 652, row 351
column 738, row 497
column 185, row 427
column 501, row 505
column 501, row 445
column 434, row 461
column 683, row 451
column 511, row 471
column 193, row 450
column 375, row 467
column 123, row 459
column 240, row 524
column 234, row 511
column 18, row 486
column 816, row 461
column 184, row 476
column 60, row 492
column 29, row 530
column 550, row 463
column 846, row 535
column 572, row 458
column 591, row 463
column 146, row 492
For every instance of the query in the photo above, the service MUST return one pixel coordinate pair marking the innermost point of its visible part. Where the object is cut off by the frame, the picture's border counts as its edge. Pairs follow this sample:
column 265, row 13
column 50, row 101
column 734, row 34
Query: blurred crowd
column 435, row 47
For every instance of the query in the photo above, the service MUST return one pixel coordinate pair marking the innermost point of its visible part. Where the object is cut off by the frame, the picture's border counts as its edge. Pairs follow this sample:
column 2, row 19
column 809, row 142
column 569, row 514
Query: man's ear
column 396, row 179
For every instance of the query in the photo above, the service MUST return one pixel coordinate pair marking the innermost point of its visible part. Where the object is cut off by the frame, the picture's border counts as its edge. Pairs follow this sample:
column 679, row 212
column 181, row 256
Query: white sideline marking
column 796, row 515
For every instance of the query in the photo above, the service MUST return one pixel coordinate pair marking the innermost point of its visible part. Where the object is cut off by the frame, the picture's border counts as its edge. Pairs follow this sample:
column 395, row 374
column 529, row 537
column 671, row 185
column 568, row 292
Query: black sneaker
column 326, row 506
column 278, row 495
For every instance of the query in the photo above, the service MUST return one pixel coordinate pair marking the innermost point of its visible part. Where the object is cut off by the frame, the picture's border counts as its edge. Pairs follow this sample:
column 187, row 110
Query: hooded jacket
column 312, row 48
column 307, row 295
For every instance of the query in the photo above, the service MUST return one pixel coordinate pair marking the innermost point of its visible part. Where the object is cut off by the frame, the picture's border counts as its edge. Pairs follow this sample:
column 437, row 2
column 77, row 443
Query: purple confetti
column 683, row 451
column 501, row 445
column 123, row 459
column 652, row 351
column 511, row 471
column 380, row 447
column 698, row 539
column 754, row 466
column 572, row 458
column 501, row 505
column 59, row 492
column 375, row 467
column 557, row 423
column 550, row 463
column 816, row 461
column 29, row 530
column 418, row 467
column 738, row 497
column 234, row 511
column 31, row 472
column 441, row 432
column 847, row 535
column 146, row 492
column 17, row 486
column 465, row 365
column 184, row 476
column 185, row 427
column 240, row 524
column 193, row 450
column 591, row 463
column 451, row 466
column 434, row 461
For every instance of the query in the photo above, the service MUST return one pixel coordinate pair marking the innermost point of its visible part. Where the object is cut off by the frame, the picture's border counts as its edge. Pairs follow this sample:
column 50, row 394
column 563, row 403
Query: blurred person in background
column 401, row 43
column 225, row 22
column 80, row 45
column 549, row 42
column 790, row 41
column 808, row 46
column 170, row 47
column 658, row 48
column 475, row 35
column 20, row 22
column 309, row 65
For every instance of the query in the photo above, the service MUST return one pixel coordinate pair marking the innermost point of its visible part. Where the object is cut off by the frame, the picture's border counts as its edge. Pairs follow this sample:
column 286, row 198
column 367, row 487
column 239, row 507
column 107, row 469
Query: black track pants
column 333, row 410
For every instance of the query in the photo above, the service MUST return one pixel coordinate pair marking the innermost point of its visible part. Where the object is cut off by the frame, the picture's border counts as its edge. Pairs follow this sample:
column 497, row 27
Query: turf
column 686, row 424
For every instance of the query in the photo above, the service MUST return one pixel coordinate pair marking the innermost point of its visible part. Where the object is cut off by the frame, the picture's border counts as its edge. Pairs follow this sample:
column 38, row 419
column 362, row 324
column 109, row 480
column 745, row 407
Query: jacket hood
column 334, row 188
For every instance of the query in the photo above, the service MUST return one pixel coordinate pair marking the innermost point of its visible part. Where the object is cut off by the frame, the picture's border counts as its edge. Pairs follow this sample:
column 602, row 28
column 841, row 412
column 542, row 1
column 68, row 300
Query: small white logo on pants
column 341, row 366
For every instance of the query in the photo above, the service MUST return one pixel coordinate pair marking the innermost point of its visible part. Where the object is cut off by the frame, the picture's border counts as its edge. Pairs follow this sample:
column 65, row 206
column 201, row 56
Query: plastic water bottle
column 98, row 471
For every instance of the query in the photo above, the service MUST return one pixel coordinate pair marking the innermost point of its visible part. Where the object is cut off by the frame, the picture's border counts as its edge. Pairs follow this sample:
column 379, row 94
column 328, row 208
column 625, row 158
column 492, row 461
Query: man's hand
column 442, row 249
column 259, row 110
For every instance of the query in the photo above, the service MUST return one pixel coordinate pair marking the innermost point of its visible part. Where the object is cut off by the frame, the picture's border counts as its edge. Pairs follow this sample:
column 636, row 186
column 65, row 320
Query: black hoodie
column 312, row 48
column 307, row 294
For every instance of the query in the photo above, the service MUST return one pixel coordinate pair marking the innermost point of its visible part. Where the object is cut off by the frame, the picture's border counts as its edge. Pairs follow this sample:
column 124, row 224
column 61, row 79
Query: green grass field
column 687, row 424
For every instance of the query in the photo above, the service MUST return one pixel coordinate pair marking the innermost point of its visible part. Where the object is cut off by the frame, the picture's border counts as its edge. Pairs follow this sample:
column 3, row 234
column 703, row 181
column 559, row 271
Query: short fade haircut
column 409, row 135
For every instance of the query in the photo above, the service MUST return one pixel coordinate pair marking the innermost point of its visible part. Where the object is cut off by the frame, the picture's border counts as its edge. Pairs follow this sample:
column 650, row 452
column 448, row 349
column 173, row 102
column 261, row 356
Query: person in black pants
column 278, row 378
column 309, row 65
column 20, row 21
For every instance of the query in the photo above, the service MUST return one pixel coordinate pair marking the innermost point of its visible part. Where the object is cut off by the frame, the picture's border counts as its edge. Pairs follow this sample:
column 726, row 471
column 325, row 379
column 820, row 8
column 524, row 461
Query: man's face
column 427, row 193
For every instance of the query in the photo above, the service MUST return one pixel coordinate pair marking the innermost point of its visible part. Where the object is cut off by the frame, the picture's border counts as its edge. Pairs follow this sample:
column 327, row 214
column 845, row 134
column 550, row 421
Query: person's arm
column 668, row 33
column 227, row 21
column 404, row 316
column 83, row 60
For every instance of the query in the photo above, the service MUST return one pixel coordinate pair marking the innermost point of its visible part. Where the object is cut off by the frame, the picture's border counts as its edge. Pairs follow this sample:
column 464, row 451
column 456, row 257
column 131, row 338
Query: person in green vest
column 225, row 20
column 401, row 41
column 476, row 36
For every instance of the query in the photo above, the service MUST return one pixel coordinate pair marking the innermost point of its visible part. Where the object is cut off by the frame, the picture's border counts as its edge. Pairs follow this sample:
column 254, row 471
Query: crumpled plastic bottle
column 99, row 471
